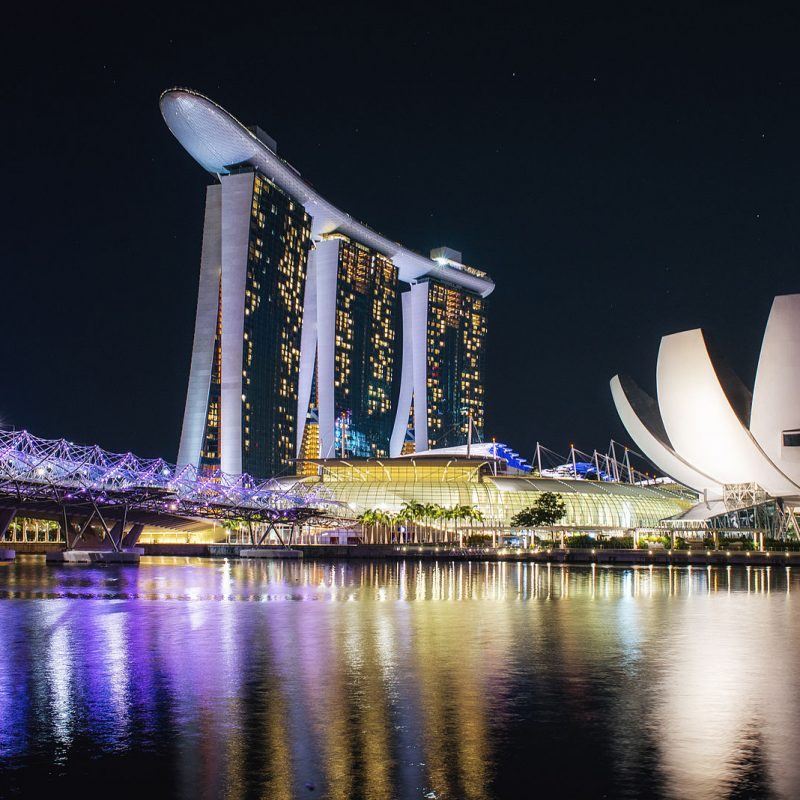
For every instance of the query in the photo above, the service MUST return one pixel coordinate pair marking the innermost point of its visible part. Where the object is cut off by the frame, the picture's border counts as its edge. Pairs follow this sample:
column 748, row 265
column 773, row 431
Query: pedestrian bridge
column 108, row 498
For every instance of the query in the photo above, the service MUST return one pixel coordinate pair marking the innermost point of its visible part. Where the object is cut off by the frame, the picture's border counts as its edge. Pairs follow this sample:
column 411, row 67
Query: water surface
column 202, row 678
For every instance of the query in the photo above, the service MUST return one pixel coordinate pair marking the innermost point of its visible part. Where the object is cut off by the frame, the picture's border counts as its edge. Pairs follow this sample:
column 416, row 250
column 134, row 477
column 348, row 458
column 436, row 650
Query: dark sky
column 622, row 171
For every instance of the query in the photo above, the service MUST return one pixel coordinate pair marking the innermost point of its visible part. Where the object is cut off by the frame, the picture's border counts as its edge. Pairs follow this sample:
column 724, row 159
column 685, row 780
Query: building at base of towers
column 315, row 336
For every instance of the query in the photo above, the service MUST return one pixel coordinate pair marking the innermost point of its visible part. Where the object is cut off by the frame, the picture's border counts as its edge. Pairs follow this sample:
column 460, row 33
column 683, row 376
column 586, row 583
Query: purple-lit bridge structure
column 103, row 499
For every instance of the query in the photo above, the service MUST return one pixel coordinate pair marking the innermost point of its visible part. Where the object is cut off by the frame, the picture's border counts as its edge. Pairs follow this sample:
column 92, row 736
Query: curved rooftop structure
column 355, row 486
column 218, row 142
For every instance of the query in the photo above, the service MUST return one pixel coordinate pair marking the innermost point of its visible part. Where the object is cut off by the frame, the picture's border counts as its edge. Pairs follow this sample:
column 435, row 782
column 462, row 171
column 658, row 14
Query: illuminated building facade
column 246, row 357
column 307, row 318
column 498, row 493
column 349, row 348
column 456, row 336
column 444, row 339
column 276, row 275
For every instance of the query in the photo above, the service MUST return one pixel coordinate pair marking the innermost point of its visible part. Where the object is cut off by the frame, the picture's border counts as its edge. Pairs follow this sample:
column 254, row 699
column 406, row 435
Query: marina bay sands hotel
column 315, row 336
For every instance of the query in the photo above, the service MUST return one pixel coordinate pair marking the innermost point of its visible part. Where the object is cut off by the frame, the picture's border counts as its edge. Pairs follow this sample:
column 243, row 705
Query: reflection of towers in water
column 399, row 675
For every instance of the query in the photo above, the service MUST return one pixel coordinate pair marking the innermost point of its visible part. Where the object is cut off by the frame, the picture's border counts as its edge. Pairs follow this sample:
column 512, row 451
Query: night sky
column 622, row 172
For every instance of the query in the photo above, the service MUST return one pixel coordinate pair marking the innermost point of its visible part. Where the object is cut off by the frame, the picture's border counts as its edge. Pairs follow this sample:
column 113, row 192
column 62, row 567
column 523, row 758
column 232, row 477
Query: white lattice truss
column 43, row 470
column 743, row 495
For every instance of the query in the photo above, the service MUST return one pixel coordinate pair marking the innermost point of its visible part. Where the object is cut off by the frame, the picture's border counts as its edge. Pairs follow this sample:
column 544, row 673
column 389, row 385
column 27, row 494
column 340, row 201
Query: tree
column 473, row 514
column 380, row 518
column 411, row 511
column 368, row 519
column 428, row 515
column 548, row 510
column 464, row 513
column 440, row 515
column 445, row 515
column 391, row 521
column 452, row 516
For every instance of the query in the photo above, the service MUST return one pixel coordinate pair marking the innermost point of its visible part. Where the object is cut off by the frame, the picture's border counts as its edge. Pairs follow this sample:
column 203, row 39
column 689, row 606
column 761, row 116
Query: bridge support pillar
column 6, row 518
column 73, row 530
column 132, row 536
column 115, row 534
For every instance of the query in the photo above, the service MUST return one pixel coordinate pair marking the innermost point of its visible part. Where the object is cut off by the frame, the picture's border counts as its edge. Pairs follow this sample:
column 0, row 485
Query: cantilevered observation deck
column 218, row 142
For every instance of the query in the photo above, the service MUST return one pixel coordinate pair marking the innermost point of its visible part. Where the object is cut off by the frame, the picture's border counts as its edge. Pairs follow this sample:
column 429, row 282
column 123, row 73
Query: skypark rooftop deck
column 218, row 142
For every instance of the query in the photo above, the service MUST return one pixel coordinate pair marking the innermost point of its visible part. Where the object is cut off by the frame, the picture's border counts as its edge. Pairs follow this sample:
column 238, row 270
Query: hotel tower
column 315, row 336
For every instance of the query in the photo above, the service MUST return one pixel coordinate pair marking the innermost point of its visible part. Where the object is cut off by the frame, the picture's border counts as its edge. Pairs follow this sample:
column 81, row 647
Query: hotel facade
column 315, row 336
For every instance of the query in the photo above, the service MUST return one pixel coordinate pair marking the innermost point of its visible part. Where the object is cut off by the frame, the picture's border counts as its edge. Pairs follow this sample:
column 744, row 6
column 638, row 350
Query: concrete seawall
column 33, row 548
column 698, row 557
column 574, row 556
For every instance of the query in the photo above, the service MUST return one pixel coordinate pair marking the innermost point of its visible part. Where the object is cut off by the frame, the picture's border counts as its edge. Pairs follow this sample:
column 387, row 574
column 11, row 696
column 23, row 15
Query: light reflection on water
column 216, row 678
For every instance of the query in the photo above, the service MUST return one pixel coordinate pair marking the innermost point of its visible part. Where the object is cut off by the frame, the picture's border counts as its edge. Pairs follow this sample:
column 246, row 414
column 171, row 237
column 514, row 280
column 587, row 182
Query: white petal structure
column 700, row 432
column 775, row 418
column 639, row 414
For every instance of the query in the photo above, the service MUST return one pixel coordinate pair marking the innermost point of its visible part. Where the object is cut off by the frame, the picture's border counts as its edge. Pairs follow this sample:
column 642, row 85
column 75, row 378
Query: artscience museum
column 740, row 450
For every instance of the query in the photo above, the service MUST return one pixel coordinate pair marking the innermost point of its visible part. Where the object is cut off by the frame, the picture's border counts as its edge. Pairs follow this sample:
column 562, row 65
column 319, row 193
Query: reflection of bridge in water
column 103, row 500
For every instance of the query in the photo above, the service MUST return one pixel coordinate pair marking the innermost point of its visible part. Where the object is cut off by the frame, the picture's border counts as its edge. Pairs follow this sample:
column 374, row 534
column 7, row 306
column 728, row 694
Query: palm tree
column 478, row 516
column 428, row 514
column 453, row 514
column 412, row 511
column 472, row 514
column 387, row 520
column 461, row 512
column 447, row 514
column 393, row 519
column 438, row 514
column 381, row 518
column 367, row 518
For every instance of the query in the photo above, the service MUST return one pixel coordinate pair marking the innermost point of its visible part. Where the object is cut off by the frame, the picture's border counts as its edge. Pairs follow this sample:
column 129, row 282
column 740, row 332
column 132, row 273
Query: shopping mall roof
column 361, row 484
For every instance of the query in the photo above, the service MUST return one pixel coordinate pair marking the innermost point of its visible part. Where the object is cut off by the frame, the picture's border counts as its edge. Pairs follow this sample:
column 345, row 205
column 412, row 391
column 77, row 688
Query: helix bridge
column 85, row 486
